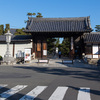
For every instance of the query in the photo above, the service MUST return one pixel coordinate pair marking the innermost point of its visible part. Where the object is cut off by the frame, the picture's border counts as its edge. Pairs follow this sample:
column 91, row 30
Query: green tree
column 51, row 45
column 65, row 47
column 20, row 32
column 0, row 32
column 34, row 14
column 29, row 14
column 97, row 28
column 7, row 28
column 57, row 42
column 1, row 29
column 39, row 15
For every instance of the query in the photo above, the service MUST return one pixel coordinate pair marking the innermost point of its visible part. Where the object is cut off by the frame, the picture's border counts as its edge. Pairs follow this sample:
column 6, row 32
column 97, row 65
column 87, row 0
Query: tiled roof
column 16, row 38
column 2, row 38
column 93, row 37
column 12, row 31
column 78, row 24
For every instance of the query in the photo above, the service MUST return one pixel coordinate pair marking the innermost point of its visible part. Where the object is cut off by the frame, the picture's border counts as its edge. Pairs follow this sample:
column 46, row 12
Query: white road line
column 12, row 91
column 3, row 85
column 59, row 93
column 84, row 94
column 34, row 93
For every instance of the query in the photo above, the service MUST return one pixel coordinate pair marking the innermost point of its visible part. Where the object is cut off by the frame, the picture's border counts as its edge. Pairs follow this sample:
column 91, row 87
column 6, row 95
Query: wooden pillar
column 44, row 49
column 34, row 48
column 81, row 47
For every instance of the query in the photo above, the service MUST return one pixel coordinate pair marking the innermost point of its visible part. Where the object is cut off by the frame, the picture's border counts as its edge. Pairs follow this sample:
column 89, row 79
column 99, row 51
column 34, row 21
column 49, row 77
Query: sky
column 14, row 12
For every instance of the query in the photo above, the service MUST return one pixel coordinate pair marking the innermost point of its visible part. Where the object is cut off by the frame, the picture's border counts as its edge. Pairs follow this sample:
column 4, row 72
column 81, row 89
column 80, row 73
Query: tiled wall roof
column 93, row 37
column 16, row 38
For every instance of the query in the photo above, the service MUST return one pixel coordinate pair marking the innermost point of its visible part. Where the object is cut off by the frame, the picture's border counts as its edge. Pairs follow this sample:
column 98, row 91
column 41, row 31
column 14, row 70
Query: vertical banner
column 44, row 52
column 27, row 56
column 71, row 43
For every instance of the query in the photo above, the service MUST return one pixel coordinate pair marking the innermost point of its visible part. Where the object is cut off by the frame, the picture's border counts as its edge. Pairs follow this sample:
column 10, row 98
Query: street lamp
column 8, row 40
column 7, row 57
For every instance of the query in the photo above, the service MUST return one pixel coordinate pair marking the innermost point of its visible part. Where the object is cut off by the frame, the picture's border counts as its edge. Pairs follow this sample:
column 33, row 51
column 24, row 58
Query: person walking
column 59, row 54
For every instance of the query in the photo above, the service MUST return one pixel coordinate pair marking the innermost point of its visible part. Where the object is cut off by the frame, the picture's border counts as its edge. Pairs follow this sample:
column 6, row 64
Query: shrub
column 1, row 58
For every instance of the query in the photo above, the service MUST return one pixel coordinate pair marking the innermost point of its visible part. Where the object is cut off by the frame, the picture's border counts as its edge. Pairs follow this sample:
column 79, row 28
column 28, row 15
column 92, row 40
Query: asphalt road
column 46, row 83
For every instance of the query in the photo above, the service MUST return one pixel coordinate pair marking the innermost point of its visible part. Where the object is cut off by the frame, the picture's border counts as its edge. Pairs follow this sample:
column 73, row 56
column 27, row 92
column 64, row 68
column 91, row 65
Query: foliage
column 97, row 28
column 20, row 32
column 1, row 58
column 65, row 47
column 57, row 42
column 7, row 28
column 1, row 29
column 38, row 15
column 51, row 45
column 31, row 14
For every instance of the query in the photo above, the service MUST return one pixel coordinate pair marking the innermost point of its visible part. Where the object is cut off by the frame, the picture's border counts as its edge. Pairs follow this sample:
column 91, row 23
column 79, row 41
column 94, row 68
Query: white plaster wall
column 22, row 47
column 3, row 48
column 95, row 51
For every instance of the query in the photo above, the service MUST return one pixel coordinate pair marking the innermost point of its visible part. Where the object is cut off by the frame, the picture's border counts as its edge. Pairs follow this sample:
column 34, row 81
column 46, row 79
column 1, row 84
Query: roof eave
column 30, row 31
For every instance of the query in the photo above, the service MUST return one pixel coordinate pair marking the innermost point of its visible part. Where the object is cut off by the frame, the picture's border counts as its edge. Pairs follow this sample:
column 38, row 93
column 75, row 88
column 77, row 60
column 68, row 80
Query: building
column 79, row 30
column 18, row 43
column 43, row 28
column 92, row 44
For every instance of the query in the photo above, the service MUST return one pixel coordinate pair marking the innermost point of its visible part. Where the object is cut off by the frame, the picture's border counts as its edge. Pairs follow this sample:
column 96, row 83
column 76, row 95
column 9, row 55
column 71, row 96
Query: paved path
column 58, row 63
column 53, row 81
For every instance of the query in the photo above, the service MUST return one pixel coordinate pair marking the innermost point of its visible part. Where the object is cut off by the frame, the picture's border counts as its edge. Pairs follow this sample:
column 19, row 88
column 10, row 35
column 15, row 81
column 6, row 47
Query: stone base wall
column 93, row 61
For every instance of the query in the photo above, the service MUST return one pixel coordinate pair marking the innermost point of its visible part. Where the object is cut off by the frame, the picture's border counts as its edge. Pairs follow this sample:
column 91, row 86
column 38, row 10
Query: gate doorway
column 43, row 28
column 58, row 47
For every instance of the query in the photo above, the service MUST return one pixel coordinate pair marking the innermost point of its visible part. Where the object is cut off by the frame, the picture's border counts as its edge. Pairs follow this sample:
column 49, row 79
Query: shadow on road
column 82, row 73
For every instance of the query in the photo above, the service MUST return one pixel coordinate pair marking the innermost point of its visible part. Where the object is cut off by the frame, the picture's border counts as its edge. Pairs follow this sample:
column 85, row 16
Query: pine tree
column 29, row 14
column 65, row 47
column 1, row 29
column 20, row 32
column 97, row 28
column 57, row 42
column 39, row 15
column 51, row 45
column 7, row 28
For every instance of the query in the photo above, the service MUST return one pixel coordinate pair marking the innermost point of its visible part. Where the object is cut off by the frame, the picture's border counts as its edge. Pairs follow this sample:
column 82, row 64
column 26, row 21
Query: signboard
column 43, row 61
column 44, row 52
column 27, row 55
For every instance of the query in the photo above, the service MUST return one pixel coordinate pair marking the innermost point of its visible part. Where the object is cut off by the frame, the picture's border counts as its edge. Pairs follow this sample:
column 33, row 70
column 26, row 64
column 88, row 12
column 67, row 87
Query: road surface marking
column 58, row 93
column 12, row 91
column 84, row 94
column 34, row 93
column 3, row 85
